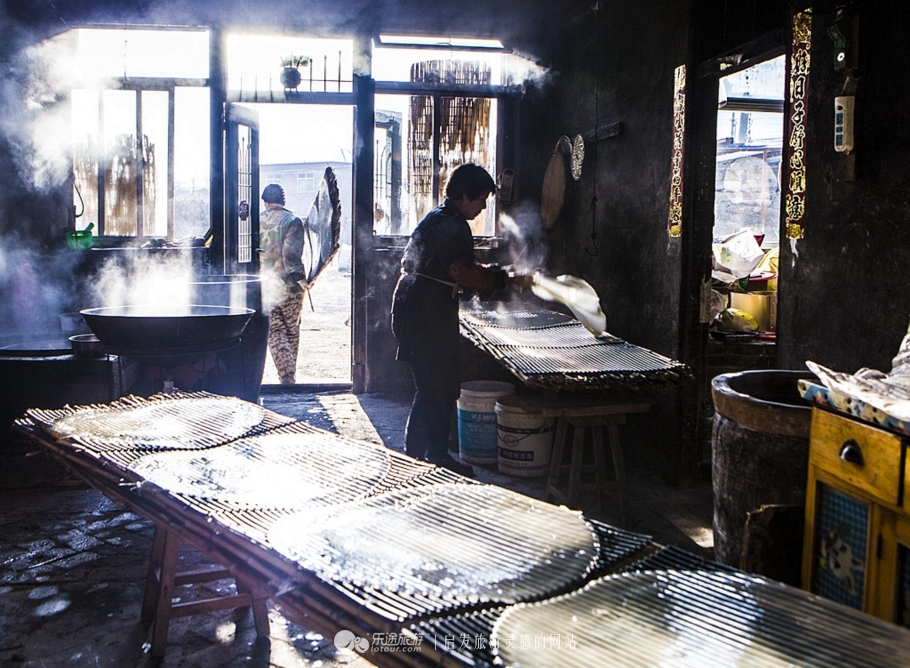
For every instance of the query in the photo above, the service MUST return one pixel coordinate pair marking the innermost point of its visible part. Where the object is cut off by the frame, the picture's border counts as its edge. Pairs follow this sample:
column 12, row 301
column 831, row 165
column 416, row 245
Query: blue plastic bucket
column 477, row 440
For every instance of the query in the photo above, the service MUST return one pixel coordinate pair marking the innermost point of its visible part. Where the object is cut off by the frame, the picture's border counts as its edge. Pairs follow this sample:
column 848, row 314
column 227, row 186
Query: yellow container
column 760, row 305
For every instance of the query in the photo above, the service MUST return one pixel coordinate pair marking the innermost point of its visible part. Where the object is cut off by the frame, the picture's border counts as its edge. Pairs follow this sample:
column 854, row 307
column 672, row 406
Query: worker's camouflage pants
column 284, row 336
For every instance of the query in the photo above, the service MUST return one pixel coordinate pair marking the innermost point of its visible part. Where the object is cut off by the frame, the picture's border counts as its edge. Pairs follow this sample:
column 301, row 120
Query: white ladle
column 575, row 293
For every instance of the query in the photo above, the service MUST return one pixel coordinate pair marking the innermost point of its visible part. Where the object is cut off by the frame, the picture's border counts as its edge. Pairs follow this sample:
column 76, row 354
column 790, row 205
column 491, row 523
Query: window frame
column 138, row 86
column 438, row 91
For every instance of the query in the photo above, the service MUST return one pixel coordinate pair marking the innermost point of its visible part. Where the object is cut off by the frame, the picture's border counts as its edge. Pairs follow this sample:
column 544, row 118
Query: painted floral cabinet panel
column 856, row 547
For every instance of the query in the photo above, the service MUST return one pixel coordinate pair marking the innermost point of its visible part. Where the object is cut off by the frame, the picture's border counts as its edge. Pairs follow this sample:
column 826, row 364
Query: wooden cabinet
column 857, row 541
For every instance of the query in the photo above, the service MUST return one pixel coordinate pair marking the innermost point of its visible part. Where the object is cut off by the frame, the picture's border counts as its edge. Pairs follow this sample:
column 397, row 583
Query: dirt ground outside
column 325, row 332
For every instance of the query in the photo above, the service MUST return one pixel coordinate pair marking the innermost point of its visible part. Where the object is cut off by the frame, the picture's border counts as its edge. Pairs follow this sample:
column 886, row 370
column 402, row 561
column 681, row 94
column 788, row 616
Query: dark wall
column 618, row 68
column 844, row 299
column 845, row 295
column 721, row 26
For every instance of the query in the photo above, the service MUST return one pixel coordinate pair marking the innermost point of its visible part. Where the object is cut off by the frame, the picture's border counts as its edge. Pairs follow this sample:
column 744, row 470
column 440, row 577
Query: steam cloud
column 524, row 234
column 144, row 279
column 38, row 284
column 39, row 287
column 33, row 119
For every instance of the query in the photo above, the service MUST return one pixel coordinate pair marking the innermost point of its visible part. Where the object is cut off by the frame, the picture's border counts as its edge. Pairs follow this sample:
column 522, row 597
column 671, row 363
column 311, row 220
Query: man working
column 438, row 260
column 281, row 238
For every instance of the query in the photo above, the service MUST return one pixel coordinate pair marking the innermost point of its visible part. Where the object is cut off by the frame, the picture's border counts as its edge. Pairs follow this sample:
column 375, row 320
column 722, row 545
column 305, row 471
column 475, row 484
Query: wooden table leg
column 620, row 470
column 158, row 604
column 165, row 593
column 153, row 578
column 559, row 447
column 575, row 467
column 600, row 464
column 258, row 606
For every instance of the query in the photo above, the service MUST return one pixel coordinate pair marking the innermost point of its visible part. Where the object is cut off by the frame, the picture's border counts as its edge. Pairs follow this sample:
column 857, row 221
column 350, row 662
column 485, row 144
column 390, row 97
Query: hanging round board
column 553, row 195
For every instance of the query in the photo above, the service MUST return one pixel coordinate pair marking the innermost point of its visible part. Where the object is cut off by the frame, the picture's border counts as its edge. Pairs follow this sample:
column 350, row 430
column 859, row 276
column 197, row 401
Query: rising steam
column 38, row 287
column 145, row 278
column 34, row 119
column 524, row 235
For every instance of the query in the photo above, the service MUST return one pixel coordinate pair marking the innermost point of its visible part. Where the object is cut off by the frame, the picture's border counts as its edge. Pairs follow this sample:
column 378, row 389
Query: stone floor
column 72, row 563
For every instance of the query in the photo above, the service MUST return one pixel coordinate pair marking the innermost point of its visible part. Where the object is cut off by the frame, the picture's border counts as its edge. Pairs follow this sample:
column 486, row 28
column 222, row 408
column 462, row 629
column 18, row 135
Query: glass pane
column 118, row 53
column 390, row 170
column 419, row 151
column 119, row 162
column 394, row 213
column 244, row 191
column 750, row 125
column 468, row 128
column 274, row 63
column 86, row 124
column 391, row 64
column 154, row 163
column 192, row 215
column 404, row 156
column 841, row 546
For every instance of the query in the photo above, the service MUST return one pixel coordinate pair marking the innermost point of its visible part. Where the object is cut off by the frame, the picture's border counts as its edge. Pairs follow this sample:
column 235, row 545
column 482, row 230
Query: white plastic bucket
column 477, row 419
column 525, row 440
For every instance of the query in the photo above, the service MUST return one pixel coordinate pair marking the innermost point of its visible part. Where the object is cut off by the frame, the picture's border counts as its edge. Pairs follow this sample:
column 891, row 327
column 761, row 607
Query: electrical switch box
column 843, row 123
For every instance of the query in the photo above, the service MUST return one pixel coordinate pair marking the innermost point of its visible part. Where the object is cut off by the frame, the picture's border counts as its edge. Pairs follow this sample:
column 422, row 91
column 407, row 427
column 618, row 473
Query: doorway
column 747, row 191
column 296, row 144
column 734, row 149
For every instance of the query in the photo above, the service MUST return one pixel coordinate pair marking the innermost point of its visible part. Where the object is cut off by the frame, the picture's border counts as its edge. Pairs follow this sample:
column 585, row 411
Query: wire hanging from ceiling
column 596, row 125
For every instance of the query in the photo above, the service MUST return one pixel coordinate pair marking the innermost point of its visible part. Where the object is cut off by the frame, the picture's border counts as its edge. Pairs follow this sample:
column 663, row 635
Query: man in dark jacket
column 437, row 262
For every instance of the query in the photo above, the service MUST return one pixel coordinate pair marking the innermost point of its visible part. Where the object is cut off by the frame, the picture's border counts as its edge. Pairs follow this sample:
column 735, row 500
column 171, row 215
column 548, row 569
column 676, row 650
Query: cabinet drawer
column 862, row 455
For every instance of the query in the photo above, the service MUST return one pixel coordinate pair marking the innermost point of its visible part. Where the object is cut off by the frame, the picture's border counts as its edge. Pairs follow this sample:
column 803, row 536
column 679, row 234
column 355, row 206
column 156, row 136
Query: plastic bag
column 736, row 256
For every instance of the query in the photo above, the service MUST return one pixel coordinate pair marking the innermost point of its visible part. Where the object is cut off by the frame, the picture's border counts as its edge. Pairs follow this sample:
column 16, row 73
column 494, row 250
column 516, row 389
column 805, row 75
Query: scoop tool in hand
column 575, row 293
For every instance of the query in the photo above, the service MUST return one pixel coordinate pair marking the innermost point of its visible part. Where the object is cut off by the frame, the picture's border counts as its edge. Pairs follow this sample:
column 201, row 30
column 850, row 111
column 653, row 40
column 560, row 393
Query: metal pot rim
column 166, row 311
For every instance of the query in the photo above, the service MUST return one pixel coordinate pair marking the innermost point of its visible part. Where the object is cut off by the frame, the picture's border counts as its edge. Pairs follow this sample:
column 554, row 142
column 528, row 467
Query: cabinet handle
column 851, row 453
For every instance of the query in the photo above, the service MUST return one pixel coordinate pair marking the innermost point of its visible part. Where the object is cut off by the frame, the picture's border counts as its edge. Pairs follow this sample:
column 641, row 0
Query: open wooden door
column 241, row 196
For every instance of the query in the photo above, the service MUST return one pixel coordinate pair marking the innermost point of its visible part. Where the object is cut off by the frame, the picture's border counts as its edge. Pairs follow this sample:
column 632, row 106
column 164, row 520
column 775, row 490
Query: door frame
column 237, row 193
column 698, row 228
column 362, row 229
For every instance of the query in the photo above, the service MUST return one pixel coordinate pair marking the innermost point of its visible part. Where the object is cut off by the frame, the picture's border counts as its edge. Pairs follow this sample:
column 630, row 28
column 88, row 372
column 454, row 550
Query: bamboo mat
column 236, row 533
column 552, row 351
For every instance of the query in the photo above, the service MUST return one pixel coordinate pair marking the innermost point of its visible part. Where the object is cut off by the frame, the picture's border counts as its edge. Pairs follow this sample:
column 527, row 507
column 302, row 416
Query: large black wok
column 40, row 348
column 164, row 327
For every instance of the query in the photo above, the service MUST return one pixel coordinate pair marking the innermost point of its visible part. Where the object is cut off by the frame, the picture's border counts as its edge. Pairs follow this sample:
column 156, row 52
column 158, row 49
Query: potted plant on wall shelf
column 290, row 76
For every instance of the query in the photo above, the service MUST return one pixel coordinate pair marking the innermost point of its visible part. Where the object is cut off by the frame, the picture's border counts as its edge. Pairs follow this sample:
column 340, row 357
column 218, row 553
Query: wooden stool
column 158, row 605
column 585, row 415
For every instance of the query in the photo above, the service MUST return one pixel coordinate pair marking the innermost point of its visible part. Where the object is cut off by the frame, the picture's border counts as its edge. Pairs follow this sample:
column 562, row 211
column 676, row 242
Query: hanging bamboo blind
column 464, row 127
column 120, row 168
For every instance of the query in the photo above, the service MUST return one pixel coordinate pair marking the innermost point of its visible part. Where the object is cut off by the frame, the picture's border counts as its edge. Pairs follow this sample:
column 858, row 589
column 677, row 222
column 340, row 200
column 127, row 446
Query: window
column 129, row 128
column 133, row 52
column 306, row 182
column 435, row 109
column 272, row 68
column 750, row 128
